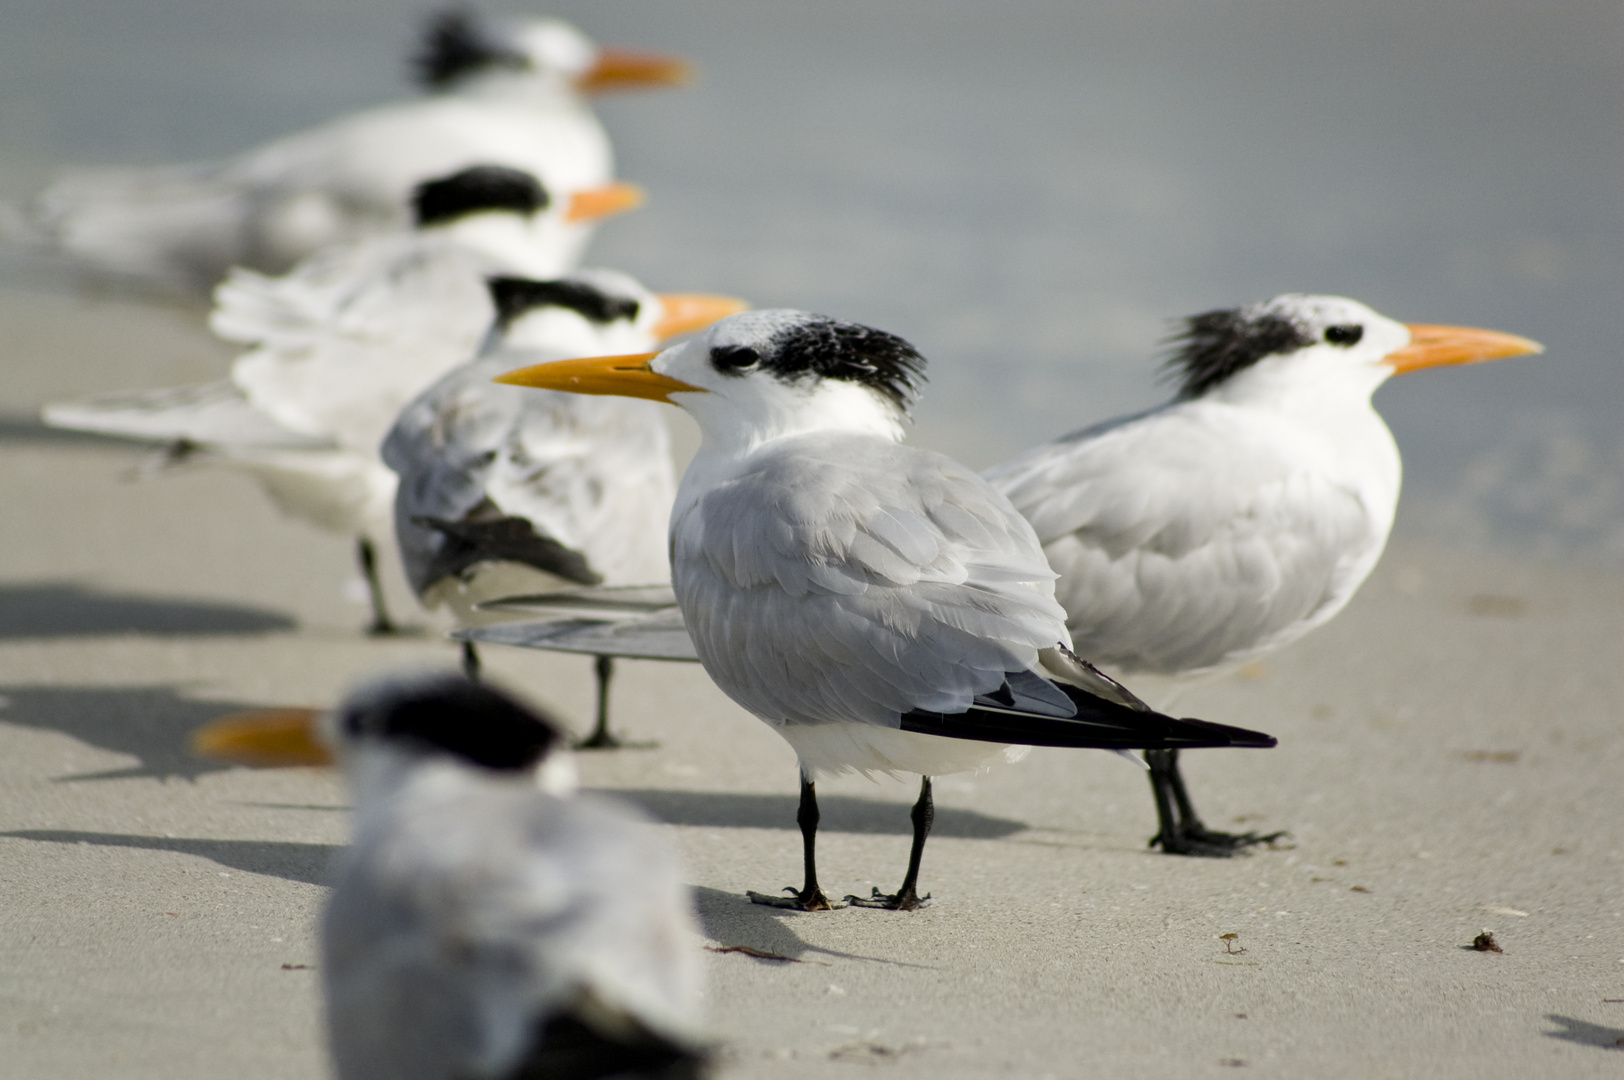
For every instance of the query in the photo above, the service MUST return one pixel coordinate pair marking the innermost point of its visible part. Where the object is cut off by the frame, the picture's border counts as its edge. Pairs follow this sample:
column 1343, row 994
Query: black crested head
column 806, row 346
column 476, row 189
column 448, row 713
column 1216, row 345
column 455, row 46
column 514, row 296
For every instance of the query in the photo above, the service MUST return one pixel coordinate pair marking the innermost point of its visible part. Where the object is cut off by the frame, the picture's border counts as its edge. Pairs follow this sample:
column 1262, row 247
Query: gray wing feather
column 1186, row 539
column 214, row 414
column 854, row 579
column 593, row 474
column 457, row 924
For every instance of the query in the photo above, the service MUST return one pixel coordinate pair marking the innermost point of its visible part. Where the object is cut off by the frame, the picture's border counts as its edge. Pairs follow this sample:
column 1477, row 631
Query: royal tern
column 485, row 921
column 881, row 607
column 511, row 95
column 341, row 344
column 502, row 493
column 1199, row 536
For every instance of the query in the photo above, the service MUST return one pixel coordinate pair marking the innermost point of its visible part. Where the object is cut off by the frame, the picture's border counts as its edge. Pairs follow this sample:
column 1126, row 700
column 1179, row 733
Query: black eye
column 732, row 359
column 1344, row 335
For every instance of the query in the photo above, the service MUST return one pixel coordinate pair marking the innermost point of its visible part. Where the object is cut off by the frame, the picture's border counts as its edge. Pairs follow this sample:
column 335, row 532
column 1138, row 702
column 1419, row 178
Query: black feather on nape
column 475, row 190
column 455, row 46
column 469, row 720
column 514, row 296
column 853, row 352
column 1215, row 345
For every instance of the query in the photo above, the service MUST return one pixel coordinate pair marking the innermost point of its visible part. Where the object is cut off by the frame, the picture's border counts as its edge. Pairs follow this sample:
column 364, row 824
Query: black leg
column 810, row 898
column 470, row 661
column 1181, row 831
column 367, row 557
column 907, row 898
column 600, row 739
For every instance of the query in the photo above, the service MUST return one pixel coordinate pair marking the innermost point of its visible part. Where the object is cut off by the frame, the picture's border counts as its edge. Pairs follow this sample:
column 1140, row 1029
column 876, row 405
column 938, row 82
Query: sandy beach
column 1449, row 761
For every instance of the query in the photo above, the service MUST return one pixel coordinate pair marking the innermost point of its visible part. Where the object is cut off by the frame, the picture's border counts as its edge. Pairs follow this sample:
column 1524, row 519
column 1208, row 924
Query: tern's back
column 471, row 918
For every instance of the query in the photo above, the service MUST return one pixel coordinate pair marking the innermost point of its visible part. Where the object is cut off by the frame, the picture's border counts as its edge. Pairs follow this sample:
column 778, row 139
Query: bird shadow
column 62, row 609
column 838, row 813
column 152, row 724
column 761, row 932
column 1584, row 1033
column 310, row 864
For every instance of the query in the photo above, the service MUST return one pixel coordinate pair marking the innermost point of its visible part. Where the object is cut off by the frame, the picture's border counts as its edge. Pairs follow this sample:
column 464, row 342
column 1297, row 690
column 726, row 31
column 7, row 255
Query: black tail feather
column 1099, row 724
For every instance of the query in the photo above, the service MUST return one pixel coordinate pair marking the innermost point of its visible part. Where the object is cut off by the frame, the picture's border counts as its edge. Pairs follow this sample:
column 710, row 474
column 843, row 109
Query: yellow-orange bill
column 687, row 312
column 626, row 69
column 264, row 738
column 1435, row 346
column 595, row 204
column 621, row 376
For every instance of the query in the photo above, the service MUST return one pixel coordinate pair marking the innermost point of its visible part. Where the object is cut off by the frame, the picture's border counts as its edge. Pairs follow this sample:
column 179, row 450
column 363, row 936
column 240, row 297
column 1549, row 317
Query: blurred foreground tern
column 1199, row 536
column 880, row 607
column 342, row 344
column 485, row 921
column 507, row 93
column 502, row 493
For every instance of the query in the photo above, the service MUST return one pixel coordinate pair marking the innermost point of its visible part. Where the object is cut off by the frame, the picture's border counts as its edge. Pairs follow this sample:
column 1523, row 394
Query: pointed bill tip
column 686, row 313
column 1439, row 346
column 595, row 204
column 618, row 376
column 632, row 69
column 265, row 738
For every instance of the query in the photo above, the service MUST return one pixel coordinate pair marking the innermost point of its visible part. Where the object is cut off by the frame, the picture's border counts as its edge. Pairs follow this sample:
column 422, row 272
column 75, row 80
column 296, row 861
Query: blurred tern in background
column 508, row 93
column 881, row 607
column 1199, row 536
column 486, row 922
column 502, row 493
column 341, row 344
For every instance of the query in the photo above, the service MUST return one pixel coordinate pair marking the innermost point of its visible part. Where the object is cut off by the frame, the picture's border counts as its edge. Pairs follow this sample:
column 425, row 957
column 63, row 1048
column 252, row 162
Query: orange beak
column 595, row 204
column 619, row 376
column 687, row 312
column 265, row 738
column 624, row 69
column 1436, row 346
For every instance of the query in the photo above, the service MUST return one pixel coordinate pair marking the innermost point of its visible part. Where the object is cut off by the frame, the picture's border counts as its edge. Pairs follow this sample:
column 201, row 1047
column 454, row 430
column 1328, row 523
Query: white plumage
column 1199, row 536
column 513, row 100
column 483, row 928
column 339, row 346
column 592, row 474
column 882, row 607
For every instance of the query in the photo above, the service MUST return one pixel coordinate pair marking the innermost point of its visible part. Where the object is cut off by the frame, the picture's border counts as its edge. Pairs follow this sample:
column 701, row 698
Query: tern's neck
column 380, row 775
column 735, row 427
column 539, row 246
column 1307, row 393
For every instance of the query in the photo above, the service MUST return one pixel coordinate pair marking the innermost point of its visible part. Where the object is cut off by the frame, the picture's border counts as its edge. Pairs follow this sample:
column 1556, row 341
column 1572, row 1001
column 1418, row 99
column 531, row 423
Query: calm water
column 1029, row 191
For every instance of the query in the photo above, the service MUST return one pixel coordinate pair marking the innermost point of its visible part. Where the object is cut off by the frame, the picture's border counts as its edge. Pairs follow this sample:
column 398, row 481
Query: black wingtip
column 1234, row 736
column 1099, row 725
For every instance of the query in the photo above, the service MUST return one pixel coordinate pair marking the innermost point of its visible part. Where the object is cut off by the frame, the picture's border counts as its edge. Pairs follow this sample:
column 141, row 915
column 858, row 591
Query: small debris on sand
column 1485, row 942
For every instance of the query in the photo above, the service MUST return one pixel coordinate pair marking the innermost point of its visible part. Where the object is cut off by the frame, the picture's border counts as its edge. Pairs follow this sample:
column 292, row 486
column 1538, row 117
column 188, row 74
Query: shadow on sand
column 60, row 609
column 733, row 922
column 1586, row 1034
column 307, row 863
column 154, row 724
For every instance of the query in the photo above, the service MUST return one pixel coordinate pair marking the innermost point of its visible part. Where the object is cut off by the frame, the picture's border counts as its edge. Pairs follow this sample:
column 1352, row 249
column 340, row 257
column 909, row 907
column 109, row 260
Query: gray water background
column 1031, row 190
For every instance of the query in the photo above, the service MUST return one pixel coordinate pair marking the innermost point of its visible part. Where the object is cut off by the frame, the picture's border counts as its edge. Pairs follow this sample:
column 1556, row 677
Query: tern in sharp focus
column 344, row 342
column 1199, row 536
column 508, row 93
column 486, row 922
column 502, row 493
column 881, row 607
